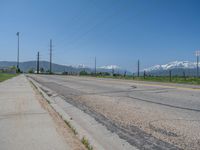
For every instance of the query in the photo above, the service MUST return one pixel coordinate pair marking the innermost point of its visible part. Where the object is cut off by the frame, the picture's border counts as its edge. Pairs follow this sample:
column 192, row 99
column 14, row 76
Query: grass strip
column 5, row 76
column 174, row 79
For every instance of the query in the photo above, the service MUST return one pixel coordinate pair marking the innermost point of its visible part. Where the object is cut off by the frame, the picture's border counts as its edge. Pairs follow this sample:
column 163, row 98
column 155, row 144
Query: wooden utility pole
column 95, row 66
column 124, row 73
column 113, row 71
column 197, row 53
column 38, row 62
column 138, row 65
column 50, row 61
column 170, row 75
column 17, row 51
column 144, row 74
column 184, row 76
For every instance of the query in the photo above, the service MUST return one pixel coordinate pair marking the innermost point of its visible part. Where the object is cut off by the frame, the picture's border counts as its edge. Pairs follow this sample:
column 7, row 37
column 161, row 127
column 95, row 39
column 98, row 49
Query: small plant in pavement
column 86, row 143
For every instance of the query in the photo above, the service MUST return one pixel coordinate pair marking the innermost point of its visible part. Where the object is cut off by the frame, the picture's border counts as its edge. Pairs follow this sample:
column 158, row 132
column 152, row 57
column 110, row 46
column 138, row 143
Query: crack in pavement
column 164, row 104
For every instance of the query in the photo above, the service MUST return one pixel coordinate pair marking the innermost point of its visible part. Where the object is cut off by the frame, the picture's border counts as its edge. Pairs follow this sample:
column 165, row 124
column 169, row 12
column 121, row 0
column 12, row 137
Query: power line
column 74, row 19
column 103, row 21
column 97, row 24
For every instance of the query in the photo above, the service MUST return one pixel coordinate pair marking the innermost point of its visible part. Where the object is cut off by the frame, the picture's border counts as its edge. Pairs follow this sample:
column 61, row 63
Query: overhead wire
column 94, row 26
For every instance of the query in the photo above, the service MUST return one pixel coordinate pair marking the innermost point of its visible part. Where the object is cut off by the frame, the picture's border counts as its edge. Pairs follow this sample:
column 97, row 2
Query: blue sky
column 115, row 31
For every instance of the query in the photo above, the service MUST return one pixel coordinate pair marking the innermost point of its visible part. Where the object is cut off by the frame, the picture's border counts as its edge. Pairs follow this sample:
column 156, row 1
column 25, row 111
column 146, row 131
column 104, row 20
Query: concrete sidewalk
column 24, row 124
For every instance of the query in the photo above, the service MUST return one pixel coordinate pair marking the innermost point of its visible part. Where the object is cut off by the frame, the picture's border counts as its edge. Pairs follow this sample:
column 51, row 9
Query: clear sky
column 115, row 31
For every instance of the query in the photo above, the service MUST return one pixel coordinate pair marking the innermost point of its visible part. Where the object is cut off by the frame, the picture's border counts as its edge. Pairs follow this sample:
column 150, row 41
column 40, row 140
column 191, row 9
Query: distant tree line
column 85, row 73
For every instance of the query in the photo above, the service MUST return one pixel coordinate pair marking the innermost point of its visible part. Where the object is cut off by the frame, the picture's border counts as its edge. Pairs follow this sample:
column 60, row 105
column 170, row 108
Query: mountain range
column 31, row 65
column 178, row 68
column 28, row 65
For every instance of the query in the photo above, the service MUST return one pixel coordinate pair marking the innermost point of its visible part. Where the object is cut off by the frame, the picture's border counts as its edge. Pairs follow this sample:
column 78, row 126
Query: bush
column 83, row 73
column 65, row 73
column 31, row 71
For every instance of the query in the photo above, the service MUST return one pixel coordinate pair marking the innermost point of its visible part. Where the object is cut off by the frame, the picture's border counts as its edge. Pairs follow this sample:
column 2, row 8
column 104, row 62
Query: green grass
column 5, row 76
column 86, row 143
column 174, row 79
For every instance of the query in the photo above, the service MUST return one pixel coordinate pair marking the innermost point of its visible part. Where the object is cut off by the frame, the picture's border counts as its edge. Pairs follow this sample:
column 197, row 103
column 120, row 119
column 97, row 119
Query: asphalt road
column 148, row 115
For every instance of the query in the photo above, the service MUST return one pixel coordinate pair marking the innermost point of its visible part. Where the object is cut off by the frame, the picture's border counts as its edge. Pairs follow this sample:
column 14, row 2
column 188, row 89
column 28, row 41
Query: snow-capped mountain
column 173, row 65
column 113, row 69
column 80, row 66
column 177, row 67
column 110, row 67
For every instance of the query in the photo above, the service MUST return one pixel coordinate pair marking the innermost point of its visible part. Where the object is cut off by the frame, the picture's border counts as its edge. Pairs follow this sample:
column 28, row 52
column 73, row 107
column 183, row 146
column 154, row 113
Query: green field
column 174, row 79
column 5, row 76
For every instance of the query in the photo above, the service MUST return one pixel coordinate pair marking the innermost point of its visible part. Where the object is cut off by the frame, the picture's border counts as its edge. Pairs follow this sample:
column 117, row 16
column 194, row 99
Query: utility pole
column 95, row 66
column 38, row 62
column 144, row 74
column 170, row 75
column 138, row 65
column 184, row 76
column 17, row 51
column 124, row 73
column 113, row 71
column 50, row 62
column 197, row 53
